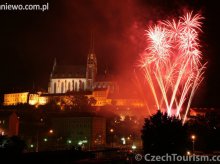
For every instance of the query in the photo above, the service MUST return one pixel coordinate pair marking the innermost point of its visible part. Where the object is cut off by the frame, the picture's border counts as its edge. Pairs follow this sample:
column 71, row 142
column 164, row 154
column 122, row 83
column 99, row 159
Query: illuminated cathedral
column 67, row 78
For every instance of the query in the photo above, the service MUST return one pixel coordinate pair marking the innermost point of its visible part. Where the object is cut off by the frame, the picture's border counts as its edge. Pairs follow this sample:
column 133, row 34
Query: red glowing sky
column 30, row 40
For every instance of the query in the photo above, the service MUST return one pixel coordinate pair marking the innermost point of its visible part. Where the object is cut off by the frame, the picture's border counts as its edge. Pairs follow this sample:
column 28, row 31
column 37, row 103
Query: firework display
column 172, row 63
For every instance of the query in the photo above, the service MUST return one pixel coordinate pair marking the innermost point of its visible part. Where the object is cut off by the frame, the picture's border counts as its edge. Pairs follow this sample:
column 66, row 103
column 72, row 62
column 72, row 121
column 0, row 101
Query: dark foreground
column 65, row 157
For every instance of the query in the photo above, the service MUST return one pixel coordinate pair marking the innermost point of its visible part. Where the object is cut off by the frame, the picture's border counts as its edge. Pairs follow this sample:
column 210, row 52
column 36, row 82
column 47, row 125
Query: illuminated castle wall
column 25, row 98
column 16, row 98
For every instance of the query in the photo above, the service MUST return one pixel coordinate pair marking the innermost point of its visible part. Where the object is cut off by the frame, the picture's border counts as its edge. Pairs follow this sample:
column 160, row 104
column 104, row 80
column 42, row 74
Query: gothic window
column 62, row 87
column 58, row 83
column 55, row 87
column 80, row 85
column 73, row 85
column 68, row 86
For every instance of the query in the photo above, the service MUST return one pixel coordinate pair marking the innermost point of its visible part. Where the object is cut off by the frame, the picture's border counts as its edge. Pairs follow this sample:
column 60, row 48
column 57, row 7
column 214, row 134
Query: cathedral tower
column 51, row 76
column 91, row 68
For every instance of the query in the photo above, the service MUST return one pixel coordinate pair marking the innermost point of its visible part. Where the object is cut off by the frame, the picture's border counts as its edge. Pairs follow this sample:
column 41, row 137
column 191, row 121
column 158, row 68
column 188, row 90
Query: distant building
column 30, row 98
column 37, row 99
column 103, row 97
column 15, row 98
column 65, row 78
column 9, row 123
column 78, row 130
column 194, row 112
column 106, row 82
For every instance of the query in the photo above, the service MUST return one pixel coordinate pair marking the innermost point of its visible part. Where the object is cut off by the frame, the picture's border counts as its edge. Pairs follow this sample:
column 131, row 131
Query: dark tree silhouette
column 162, row 134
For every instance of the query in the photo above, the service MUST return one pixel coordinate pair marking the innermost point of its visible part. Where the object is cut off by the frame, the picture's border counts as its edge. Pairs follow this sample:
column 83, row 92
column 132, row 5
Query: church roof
column 69, row 71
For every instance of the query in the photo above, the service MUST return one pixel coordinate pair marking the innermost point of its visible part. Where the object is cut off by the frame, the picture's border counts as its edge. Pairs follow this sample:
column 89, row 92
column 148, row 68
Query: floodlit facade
column 16, row 98
column 25, row 98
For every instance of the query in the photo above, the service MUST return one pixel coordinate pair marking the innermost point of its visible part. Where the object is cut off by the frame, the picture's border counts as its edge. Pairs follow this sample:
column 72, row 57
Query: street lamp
column 134, row 147
column 69, row 141
column 37, row 144
column 51, row 131
column 112, row 131
column 193, row 137
column 188, row 153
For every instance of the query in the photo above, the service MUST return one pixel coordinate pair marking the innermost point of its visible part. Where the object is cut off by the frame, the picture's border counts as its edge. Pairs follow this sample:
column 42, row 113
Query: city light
column 111, row 130
column 69, row 141
column 188, row 153
column 82, row 142
column 133, row 147
column 51, row 131
column 45, row 139
column 193, row 137
column 123, row 140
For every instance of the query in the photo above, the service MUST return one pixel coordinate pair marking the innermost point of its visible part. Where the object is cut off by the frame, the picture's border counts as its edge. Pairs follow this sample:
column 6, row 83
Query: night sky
column 30, row 40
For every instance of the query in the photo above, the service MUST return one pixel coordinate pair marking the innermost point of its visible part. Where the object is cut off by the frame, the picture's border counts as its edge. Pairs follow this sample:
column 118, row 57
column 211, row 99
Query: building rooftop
column 69, row 71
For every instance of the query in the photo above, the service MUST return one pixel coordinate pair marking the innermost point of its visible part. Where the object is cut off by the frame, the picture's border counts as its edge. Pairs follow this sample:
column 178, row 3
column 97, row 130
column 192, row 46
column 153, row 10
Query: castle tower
column 91, row 69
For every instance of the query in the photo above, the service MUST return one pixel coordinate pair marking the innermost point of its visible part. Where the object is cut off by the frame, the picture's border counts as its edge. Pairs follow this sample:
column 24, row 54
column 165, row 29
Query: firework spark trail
column 168, row 81
column 183, row 95
column 138, row 84
column 176, row 86
column 161, row 85
column 196, row 83
column 172, row 62
column 147, row 75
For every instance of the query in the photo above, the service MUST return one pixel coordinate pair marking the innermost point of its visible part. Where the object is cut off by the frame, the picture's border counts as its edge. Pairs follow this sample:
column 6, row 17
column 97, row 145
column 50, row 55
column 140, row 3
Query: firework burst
column 172, row 62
